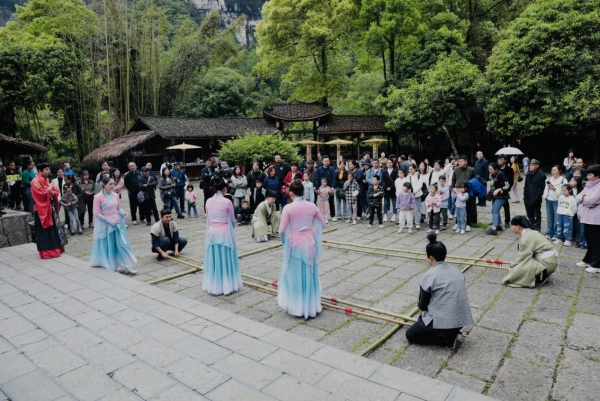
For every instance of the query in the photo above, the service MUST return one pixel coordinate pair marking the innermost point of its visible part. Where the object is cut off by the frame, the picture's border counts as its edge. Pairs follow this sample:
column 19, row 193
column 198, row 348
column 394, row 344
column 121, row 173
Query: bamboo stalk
column 387, row 319
column 404, row 251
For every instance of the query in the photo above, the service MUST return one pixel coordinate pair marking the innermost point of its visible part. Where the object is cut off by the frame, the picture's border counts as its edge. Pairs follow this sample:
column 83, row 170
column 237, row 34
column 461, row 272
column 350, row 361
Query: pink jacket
column 590, row 211
column 190, row 196
column 433, row 203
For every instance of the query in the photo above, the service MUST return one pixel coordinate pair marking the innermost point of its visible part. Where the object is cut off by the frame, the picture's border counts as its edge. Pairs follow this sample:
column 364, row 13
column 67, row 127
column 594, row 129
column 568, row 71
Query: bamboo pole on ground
column 412, row 252
column 413, row 312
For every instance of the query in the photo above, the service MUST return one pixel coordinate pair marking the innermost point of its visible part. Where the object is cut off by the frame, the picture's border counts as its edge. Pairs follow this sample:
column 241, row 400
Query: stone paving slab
column 144, row 343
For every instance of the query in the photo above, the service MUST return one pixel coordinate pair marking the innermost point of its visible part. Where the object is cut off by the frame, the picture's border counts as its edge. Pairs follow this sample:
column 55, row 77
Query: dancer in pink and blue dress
column 111, row 248
column 301, row 229
column 221, row 265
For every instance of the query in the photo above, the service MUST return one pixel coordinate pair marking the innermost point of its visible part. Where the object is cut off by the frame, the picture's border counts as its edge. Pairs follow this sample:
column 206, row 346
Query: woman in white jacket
column 552, row 192
column 416, row 182
column 240, row 183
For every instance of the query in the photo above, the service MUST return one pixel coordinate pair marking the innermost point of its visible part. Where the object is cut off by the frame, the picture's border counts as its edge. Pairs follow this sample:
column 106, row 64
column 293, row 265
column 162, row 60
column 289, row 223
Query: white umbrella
column 509, row 151
column 183, row 147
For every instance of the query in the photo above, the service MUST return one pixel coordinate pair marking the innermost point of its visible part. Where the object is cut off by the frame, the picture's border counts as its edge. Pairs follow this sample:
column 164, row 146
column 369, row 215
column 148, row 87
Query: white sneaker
column 468, row 229
column 417, row 226
column 370, row 226
column 359, row 218
column 354, row 222
column 462, row 232
column 348, row 221
column 451, row 217
column 334, row 219
column 385, row 218
column 437, row 232
column 410, row 230
column 381, row 226
column 399, row 231
column 135, row 222
column 429, row 231
column 567, row 243
column 592, row 270
column 455, row 227
column 326, row 221
column 557, row 241
column 262, row 238
column 393, row 220
column 581, row 264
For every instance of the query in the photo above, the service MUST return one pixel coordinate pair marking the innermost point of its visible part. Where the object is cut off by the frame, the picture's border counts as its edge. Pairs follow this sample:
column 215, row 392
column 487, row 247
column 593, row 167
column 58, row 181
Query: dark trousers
column 419, row 333
column 359, row 211
column 14, row 198
column 506, row 208
column 471, row 211
column 534, row 214
column 375, row 209
column 89, row 205
column 133, row 206
column 592, row 236
column 434, row 220
column 332, row 206
column 166, row 245
column 207, row 194
column 148, row 209
column 180, row 192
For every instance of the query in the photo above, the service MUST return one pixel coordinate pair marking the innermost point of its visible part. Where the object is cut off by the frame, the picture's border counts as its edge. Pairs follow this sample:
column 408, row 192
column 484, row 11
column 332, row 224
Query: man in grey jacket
column 462, row 174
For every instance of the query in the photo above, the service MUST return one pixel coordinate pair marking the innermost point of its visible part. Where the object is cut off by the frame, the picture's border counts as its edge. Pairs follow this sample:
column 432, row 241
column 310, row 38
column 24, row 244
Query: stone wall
column 15, row 229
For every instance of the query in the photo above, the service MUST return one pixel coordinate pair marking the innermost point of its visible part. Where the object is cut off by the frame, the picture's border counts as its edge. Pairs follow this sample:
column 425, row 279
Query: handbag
column 520, row 178
column 340, row 193
column 141, row 197
column 231, row 191
column 490, row 195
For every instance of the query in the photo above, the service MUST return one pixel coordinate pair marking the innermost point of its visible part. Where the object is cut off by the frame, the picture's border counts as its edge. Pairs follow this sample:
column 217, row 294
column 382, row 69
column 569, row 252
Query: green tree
column 256, row 146
column 437, row 102
column 543, row 75
column 304, row 43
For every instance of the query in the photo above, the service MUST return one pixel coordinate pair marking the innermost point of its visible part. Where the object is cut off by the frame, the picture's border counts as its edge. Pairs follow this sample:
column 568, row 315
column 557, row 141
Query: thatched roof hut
column 119, row 146
column 13, row 146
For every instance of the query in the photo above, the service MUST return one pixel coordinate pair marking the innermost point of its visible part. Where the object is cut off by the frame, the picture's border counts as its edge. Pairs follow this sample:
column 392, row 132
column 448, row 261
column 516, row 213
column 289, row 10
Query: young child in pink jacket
column 434, row 206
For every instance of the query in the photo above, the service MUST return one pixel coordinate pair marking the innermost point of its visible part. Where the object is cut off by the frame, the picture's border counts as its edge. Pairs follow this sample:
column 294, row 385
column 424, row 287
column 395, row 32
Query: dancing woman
column 111, row 248
column 221, row 264
column 301, row 229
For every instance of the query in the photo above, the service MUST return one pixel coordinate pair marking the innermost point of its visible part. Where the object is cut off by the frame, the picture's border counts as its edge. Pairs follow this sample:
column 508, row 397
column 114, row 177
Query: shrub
column 254, row 146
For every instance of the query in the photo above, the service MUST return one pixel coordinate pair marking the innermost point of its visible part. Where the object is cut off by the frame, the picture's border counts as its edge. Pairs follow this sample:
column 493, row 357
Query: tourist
column 13, row 179
column 253, row 176
column 509, row 174
column 311, row 170
column 132, row 182
column 190, row 199
column 147, row 185
column 105, row 168
column 405, row 204
column 552, row 192
column 443, row 301
column 579, row 168
column 243, row 214
column 86, row 199
column 535, row 186
column 449, row 164
column 240, row 185
column 257, row 194
column 404, row 164
column 119, row 182
column 266, row 219
column 569, row 161
column 49, row 234
column 111, row 248
column 444, row 192
column 341, row 177
column 481, row 168
column 309, row 188
column 272, row 182
column 536, row 259
column 382, row 159
column 328, row 172
column 59, row 182
column 461, row 195
column 3, row 188
column 351, row 190
column 27, row 176
column 289, row 177
column 578, row 226
column 498, row 194
column 526, row 161
column 416, row 183
column 437, row 171
column 165, row 236
column 166, row 184
column 589, row 199
column 388, row 183
column 567, row 208
column 299, row 286
column 375, row 197
column 178, row 175
column 205, row 182
column 281, row 170
column 70, row 203
column 433, row 203
column 364, row 188
column 516, row 178
column 324, row 193
column 221, row 264
column 462, row 174
column 67, row 170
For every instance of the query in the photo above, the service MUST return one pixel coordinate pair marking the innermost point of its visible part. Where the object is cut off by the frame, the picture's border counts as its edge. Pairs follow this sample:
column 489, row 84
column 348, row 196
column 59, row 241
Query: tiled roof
column 296, row 111
column 352, row 124
column 182, row 127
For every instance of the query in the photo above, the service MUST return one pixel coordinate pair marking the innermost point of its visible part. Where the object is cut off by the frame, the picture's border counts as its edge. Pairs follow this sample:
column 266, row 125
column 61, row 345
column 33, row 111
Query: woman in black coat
column 499, row 194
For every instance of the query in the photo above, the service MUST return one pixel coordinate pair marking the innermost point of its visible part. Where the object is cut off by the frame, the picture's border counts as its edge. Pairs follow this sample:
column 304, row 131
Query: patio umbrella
column 509, row 151
column 375, row 142
column 308, row 143
column 338, row 143
column 183, row 147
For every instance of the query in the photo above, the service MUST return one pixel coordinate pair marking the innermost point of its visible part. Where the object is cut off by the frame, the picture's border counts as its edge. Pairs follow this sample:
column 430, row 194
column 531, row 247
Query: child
column 460, row 203
column 578, row 227
column 190, row 198
column 244, row 213
column 434, row 205
column 567, row 208
column 69, row 202
column 257, row 195
column 352, row 190
column 444, row 193
column 375, row 197
column 405, row 203
column 309, row 188
column 324, row 192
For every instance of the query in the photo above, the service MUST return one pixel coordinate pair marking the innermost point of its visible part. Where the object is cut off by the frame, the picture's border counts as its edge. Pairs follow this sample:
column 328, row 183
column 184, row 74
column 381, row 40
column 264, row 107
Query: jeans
column 28, row 201
column 170, row 202
column 418, row 210
column 579, row 231
column 564, row 227
column 551, row 209
column 180, row 192
column 364, row 203
column 73, row 219
column 166, row 245
column 461, row 218
column 192, row 205
column 89, row 205
column 452, row 205
column 496, row 206
column 386, row 205
column 237, row 201
column 341, row 207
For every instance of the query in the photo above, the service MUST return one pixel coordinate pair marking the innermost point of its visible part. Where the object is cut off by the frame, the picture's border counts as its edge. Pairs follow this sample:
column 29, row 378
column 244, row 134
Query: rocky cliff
column 230, row 10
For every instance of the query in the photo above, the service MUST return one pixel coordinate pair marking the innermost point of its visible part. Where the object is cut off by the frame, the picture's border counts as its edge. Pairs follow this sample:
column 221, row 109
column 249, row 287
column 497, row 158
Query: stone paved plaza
column 527, row 344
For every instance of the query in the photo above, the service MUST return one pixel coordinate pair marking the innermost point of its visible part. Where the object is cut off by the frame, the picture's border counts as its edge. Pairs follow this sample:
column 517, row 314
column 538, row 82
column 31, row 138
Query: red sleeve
column 41, row 196
column 288, row 178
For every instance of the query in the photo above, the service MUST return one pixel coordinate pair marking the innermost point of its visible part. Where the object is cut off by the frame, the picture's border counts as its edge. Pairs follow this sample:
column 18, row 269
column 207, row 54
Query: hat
column 144, row 169
column 271, row 194
column 534, row 161
column 501, row 156
column 521, row 221
column 176, row 164
column 367, row 162
column 310, row 161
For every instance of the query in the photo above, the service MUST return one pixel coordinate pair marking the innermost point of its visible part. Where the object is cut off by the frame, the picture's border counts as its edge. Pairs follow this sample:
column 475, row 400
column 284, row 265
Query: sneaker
column 582, row 264
column 370, row 226
column 66, row 227
column 196, row 216
column 455, row 227
column 393, row 219
column 148, row 223
column 451, row 344
column 354, row 222
column 417, row 226
column 135, row 222
column 468, row 229
column 80, row 232
column 410, row 230
column 577, row 245
column 326, row 221
column 557, row 241
column 462, row 232
column 429, row 231
column 444, row 227
column 554, row 239
column 490, row 231
column 583, row 246
column 359, row 218
column 567, row 243
column 334, row 219
column 437, row 232
column 381, row 226
column 592, row 270
column 506, row 225
column 399, row 231
column 348, row 221
column 72, row 233
column 180, row 216
column 385, row 218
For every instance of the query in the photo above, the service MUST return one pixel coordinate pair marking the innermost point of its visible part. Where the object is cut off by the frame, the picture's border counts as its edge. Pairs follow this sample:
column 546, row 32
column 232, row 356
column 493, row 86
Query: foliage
column 544, row 73
column 363, row 91
column 437, row 102
column 254, row 146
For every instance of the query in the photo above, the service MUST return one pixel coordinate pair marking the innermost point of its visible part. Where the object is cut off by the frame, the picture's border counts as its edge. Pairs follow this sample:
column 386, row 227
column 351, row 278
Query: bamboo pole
column 355, row 249
column 405, row 251
column 413, row 312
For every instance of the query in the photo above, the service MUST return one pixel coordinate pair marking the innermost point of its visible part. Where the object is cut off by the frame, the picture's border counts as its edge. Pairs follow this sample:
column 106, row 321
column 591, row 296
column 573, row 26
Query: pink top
column 300, row 215
column 219, row 221
column 191, row 196
column 119, row 186
column 107, row 207
column 590, row 212
column 433, row 202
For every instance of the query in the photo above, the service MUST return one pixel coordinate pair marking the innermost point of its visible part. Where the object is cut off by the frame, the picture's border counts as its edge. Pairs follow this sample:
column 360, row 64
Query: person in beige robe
column 536, row 259
column 265, row 222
